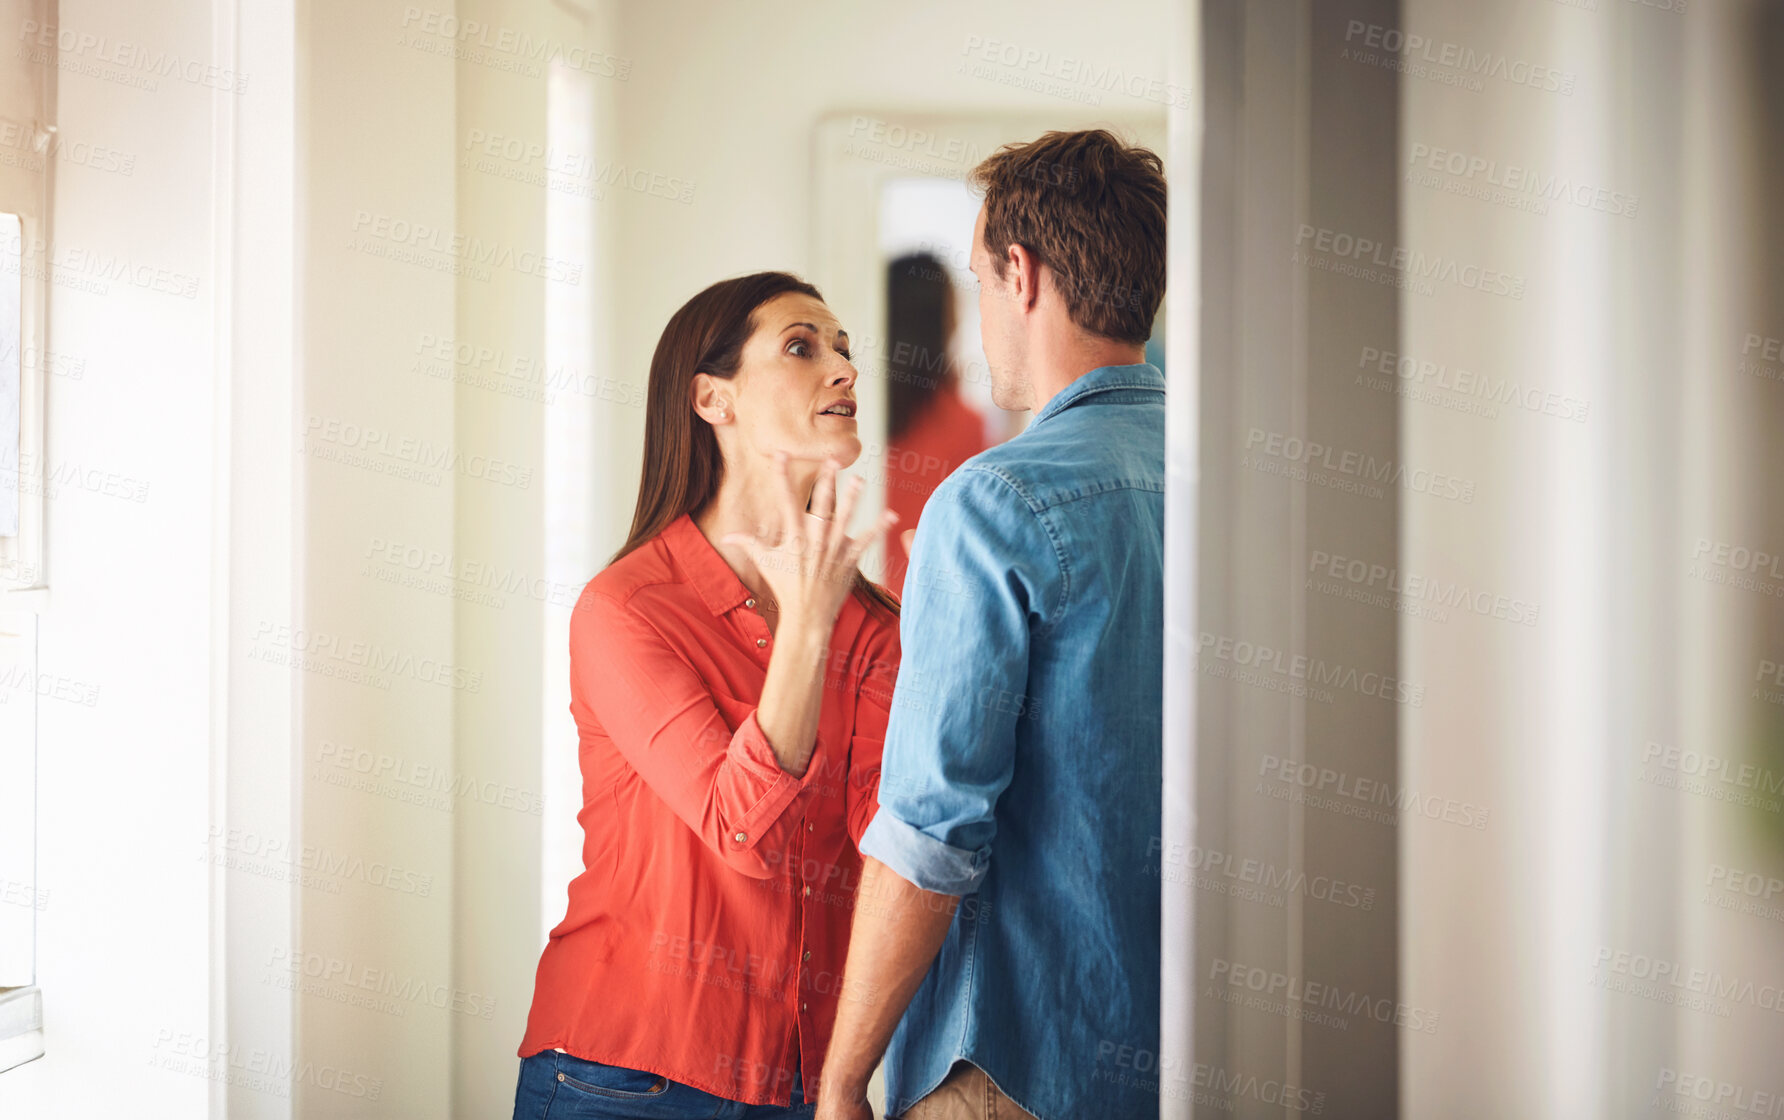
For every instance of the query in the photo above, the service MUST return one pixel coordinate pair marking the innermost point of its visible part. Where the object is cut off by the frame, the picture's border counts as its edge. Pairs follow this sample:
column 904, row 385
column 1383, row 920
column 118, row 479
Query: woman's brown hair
column 682, row 462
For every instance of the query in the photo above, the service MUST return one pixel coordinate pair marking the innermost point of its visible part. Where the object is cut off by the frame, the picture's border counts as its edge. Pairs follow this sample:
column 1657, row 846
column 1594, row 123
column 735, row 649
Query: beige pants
column 966, row 1094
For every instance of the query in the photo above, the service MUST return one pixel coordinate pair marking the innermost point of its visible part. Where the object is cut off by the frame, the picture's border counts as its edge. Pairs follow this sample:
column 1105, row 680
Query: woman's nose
column 843, row 373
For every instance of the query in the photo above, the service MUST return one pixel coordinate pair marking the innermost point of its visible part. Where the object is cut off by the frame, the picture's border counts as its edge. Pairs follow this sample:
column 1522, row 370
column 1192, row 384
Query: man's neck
column 1051, row 373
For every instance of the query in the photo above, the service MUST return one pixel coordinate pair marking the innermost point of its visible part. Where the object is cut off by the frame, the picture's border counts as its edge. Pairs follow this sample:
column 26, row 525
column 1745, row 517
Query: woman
column 731, row 673
column 930, row 429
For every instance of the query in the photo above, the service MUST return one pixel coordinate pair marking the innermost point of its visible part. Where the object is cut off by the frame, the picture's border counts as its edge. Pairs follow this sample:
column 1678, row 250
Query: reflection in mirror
column 939, row 410
column 937, row 414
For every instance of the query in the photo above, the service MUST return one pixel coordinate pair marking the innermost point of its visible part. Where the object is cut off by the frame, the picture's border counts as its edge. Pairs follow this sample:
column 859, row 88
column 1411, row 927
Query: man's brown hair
column 1092, row 209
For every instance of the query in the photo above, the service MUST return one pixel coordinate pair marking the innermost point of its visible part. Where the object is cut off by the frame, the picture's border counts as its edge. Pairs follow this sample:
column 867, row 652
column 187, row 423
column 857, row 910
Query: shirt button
column 805, row 1007
column 741, row 837
column 807, row 956
column 809, row 826
column 760, row 642
column 749, row 602
column 808, row 892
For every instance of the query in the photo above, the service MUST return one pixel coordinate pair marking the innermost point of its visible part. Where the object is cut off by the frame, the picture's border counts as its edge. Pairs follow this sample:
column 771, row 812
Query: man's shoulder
column 1066, row 458
column 998, row 476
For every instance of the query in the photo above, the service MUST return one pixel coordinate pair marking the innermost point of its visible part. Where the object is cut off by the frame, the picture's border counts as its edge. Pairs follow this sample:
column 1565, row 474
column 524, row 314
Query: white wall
column 124, row 785
column 376, row 132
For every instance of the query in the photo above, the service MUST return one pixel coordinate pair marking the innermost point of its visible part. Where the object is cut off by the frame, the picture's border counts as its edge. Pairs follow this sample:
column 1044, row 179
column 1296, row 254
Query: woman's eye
column 846, row 356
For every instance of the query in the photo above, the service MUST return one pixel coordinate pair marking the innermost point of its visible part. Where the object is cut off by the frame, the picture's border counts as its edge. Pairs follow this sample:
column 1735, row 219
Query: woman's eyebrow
column 813, row 328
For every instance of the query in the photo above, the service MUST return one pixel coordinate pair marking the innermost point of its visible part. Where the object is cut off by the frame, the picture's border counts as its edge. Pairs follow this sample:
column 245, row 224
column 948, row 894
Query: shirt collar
column 712, row 578
column 1140, row 375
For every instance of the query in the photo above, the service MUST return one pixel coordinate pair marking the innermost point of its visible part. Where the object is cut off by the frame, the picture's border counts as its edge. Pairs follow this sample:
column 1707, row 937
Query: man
column 1022, row 759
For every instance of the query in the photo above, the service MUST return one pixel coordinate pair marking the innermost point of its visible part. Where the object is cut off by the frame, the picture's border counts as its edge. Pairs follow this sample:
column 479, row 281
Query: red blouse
column 944, row 435
column 705, row 938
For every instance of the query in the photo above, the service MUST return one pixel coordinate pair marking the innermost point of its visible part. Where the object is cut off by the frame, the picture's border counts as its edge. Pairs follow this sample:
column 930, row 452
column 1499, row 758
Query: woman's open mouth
column 843, row 409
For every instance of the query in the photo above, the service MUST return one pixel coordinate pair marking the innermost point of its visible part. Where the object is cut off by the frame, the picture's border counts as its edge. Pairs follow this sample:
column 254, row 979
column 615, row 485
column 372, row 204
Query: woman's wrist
column 801, row 624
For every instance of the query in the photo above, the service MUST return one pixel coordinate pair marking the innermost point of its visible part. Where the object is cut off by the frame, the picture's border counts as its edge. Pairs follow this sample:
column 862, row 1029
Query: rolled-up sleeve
column 983, row 572
column 726, row 785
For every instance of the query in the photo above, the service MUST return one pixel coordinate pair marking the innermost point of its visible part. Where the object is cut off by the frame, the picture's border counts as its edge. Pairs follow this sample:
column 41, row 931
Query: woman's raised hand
column 807, row 558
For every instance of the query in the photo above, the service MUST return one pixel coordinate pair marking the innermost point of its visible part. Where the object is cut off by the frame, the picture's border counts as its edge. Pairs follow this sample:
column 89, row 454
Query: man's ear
column 1025, row 276
column 711, row 399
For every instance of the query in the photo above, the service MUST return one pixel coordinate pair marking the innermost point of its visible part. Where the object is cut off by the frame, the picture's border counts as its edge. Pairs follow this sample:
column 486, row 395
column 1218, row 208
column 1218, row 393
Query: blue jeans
column 556, row 1086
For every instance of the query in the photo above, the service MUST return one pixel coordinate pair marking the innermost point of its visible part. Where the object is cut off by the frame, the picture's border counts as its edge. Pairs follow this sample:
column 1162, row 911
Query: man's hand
column 898, row 930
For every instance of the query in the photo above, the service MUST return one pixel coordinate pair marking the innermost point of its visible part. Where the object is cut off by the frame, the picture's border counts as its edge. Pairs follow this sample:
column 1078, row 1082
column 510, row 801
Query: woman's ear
column 710, row 400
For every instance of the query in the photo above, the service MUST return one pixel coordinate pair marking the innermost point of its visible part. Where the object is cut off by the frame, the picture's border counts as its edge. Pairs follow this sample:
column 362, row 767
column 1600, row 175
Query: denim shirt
column 1023, row 758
